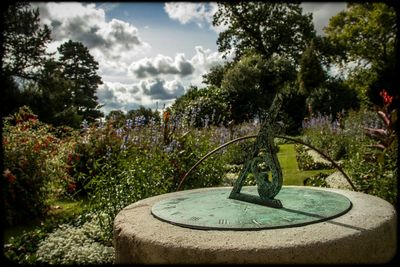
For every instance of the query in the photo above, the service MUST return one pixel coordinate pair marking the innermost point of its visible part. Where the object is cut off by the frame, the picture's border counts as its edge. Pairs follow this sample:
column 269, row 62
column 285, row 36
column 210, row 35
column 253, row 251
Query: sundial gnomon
column 268, row 205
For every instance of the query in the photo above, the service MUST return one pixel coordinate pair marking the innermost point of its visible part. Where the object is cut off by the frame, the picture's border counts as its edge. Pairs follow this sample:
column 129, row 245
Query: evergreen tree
column 79, row 66
column 24, row 42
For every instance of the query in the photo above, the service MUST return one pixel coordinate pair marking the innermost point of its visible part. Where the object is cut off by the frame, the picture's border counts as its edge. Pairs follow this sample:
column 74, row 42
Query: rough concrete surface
column 365, row 234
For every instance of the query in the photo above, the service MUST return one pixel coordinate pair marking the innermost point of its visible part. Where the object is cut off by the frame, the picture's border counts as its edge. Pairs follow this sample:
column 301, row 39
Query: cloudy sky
column 148, row 53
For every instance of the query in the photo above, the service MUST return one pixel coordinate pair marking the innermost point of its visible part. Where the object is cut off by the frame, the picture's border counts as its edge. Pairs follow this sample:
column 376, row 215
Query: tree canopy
column 365, row 31
column 268, row 28
column 24, row 42
column 367, row 35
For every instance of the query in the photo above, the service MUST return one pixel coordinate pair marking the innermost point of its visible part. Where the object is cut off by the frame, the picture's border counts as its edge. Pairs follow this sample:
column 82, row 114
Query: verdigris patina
column 263, row 153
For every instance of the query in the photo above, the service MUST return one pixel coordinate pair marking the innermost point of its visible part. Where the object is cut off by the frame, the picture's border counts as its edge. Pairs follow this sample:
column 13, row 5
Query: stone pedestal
column 365, row 234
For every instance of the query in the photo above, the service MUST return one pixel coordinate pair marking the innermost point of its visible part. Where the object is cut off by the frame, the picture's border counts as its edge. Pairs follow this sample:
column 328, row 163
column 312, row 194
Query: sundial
column 267, row 205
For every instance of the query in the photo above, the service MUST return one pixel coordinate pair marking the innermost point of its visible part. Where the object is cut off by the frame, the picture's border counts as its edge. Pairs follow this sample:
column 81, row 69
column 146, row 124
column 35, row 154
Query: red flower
column 387, row 99
column 37, row 147
column 9, row 176
column 71, row 187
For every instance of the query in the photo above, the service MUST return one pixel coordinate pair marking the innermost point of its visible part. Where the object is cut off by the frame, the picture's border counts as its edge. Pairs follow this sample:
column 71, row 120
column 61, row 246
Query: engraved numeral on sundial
column 223, row 221
column 256, row 222
column 194, row 218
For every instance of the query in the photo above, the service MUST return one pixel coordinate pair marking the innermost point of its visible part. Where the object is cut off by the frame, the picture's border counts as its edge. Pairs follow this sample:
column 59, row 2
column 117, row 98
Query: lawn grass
column 290, row 170
column 59, row 208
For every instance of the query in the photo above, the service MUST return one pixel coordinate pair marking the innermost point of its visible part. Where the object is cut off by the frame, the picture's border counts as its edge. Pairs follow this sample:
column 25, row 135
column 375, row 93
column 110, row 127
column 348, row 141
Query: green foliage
column 116, row 117
column 365, row 31
column 306, row 161
column 187, row 150
column 372, row 167
column 252, row 82
column 215, row 75
column 202, row 107
column 34, row 166
column 332, row 98
column 24, row 42
column 375, row 166
column 265, row 27
column 311, row 74
column 236, row 154
column 79, row 66
column 318, row 180
column 21, row 250
column 133, row 175
column 330, row 136
column 293, row 110
column 146, row 114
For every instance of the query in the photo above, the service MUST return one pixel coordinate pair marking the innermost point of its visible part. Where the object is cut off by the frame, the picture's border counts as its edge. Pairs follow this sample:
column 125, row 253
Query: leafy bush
column 327, row 136
column 135, row 174
column 34, row 166
column 306, row 162
column 371, row 165
column 316, row 180
column 374, row 166
column 187, row 150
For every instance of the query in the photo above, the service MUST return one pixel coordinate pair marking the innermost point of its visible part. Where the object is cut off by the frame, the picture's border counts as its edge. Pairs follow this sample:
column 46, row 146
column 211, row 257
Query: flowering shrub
column 133, row 175
column 34, row 166
column 371, row 165
column 374, row 165
column 75, row 245
column 326, row 135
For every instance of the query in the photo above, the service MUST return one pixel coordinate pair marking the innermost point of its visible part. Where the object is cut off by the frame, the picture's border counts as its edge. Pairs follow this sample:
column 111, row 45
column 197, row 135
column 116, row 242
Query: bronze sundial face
column 212, row 209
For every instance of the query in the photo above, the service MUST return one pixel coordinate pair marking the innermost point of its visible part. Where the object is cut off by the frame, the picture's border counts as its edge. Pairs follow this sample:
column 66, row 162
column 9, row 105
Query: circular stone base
column 364, row 234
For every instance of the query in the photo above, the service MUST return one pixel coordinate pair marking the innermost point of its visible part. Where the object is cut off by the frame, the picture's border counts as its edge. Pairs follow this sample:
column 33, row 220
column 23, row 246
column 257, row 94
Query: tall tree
column 367, row 35
column 202, row 106
column 366, row 32
column 267, row 27
column 79, row 66
column 55, row 101
column 311, row 74
column 24, row 42
column 252, row 82
column 215, row 75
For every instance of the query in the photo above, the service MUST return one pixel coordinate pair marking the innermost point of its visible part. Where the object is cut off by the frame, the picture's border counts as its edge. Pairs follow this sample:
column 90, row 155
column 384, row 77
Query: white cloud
column 148, row 93
column 161, row 65
column 203, row 60
column 85, row 23
column 188, row 71
column 322, row 12
column 161, row 90
column 199, row 13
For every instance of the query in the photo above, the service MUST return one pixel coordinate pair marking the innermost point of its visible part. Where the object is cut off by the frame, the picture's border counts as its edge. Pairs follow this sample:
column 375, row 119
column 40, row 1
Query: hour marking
column 223, row 221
